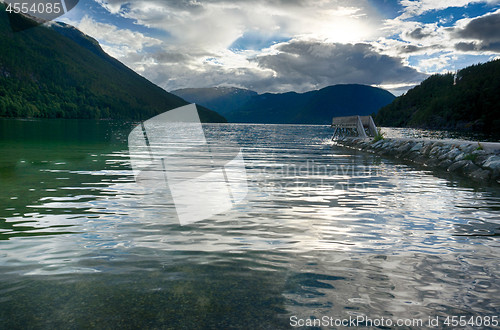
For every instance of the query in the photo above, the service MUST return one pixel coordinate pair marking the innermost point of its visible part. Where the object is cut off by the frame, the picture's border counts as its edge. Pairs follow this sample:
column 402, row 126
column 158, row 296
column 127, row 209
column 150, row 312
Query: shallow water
column 324, row 231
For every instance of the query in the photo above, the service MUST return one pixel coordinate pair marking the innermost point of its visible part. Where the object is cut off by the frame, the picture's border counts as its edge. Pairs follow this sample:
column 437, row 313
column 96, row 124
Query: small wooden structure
column 362, row 126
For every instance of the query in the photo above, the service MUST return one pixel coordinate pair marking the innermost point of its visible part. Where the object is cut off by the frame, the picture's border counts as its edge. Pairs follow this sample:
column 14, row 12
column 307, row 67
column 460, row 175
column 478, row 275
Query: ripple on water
column 323, row 231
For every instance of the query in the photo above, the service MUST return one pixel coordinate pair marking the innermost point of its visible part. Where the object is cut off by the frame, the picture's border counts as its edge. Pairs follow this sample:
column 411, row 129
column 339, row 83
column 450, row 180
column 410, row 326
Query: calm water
column 323, row 232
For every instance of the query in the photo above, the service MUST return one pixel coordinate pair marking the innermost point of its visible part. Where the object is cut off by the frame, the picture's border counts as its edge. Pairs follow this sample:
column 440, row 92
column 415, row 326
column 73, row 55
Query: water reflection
column 417, row 133
column 323, row 231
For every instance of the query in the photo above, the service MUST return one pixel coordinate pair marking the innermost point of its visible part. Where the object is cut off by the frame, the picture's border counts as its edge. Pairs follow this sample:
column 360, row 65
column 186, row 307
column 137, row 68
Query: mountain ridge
column 467, row 100
column 312, row 107
column 57, row 71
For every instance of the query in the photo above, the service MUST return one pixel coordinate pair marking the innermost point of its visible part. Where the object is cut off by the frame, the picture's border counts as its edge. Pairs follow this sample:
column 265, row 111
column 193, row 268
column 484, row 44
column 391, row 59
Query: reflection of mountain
column 470, row 100
column 60, row 72
column 314, row 107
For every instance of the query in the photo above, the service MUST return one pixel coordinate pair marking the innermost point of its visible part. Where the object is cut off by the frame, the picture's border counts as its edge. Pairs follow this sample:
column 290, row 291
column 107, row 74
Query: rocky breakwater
column 477, row 160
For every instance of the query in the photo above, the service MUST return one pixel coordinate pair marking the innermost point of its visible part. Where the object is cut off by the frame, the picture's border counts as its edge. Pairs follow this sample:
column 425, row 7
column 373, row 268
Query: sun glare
column 346, row 28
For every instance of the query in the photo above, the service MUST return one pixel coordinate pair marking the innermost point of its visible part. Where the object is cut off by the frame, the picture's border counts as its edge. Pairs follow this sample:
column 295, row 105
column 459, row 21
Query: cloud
column 295, row 65
column 484, row 30
column 436, row 64
column 282, row 45
column 201, row 35
column 418, row 33
column 217, row 24
column 117, row 42
column 312, row 64
column 414, row 8
column 471, row 36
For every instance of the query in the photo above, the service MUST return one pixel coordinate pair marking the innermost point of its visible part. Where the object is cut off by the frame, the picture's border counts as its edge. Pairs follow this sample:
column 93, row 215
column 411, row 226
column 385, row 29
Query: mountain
column 224, row 99
column 58, row 72
column 314, row 107
column 468, row 100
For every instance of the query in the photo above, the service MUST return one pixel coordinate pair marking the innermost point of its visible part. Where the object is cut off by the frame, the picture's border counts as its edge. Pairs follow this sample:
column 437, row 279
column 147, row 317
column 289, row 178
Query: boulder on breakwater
column 479, row 161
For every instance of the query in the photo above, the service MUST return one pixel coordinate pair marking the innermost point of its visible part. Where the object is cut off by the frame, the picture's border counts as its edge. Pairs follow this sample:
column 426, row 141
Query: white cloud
column 435, row 64
column 117, row 42
column 197, row 51
column 216, row 24
column 434, row 48
column 317, row 42
column 419, row 7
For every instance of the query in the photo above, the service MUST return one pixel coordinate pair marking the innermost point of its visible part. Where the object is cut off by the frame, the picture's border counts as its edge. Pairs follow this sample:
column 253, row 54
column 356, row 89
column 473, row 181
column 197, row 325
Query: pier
column 356, row 126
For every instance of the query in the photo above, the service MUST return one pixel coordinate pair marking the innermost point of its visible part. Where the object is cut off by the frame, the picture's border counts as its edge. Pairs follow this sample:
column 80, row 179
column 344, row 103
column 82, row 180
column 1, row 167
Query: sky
column 292, row 45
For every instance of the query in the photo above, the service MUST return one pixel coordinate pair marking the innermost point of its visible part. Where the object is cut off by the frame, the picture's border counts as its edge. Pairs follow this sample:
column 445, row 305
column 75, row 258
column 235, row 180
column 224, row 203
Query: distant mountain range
column 59, row 72
column 314, row 107
column 469, row 99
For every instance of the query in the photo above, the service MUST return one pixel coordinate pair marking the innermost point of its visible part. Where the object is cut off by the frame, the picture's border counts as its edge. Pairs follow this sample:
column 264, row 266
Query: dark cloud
column 418, row 33
column 320, row 64
column 408, row 49
column 466, row 46
column 171, row 57
column 485, row 29
column 477, row 46
column 298, row 65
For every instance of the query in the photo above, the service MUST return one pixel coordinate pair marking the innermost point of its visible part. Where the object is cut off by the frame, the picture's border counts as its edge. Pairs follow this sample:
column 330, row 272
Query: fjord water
column 324, row 231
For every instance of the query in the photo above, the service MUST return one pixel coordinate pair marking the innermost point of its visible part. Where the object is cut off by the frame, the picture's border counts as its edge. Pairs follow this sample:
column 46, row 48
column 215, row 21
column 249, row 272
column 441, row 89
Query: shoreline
column 479, row 161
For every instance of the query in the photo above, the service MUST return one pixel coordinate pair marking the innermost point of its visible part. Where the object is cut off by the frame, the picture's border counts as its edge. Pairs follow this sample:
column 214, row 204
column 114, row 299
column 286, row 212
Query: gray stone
column 470, row 148
column 460, row 157
column 377, row 144
column 479, row 152
column 417, row 147
column 432, row 162
column 480, row 175
column 481, row 159
column 458, row 165
column 470, row 167
column 453, row 153
column 434, row 151
column 403, row 148
column 445, row 163
column 463, row 146
column 412, row 155
column 420, row 159
column 443, row 152
column 493, row 163
column 426, row 149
